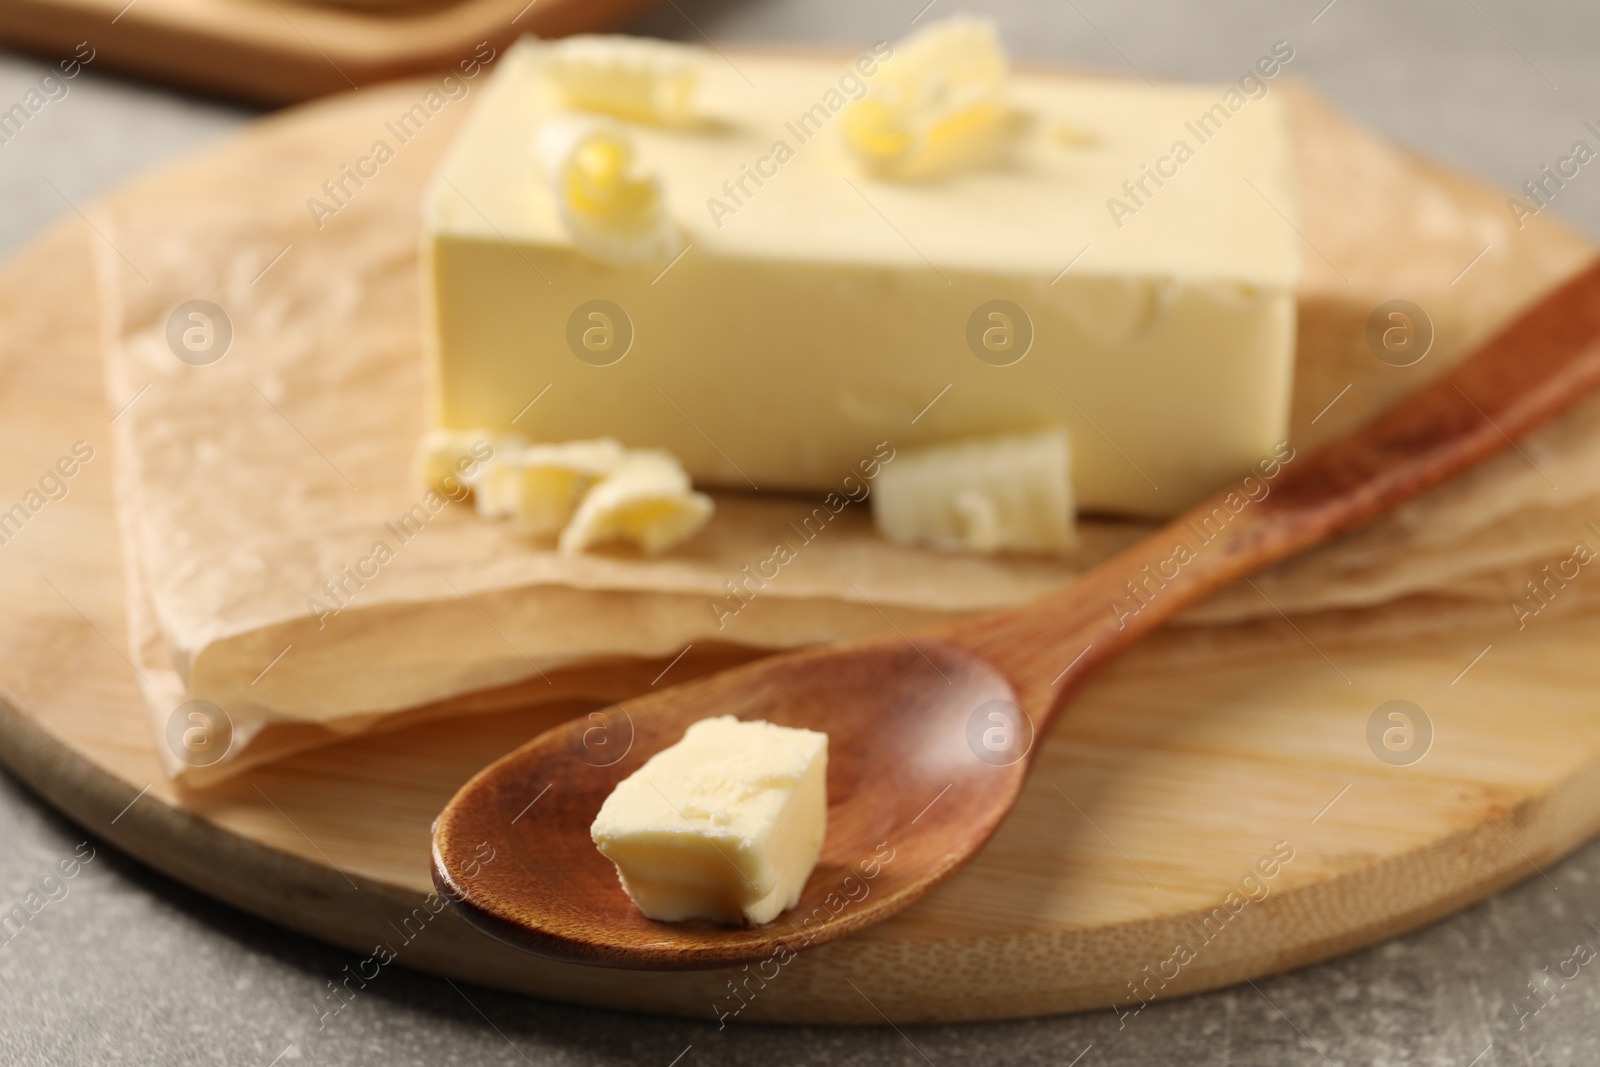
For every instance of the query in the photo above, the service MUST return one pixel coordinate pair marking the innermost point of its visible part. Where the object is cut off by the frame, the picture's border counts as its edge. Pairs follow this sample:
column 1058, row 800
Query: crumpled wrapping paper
column 260, row 492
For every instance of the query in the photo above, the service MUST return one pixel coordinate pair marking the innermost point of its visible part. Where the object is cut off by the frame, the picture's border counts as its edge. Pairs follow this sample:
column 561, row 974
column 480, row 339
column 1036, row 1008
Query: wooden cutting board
column 1201, row 757
column 285, row 51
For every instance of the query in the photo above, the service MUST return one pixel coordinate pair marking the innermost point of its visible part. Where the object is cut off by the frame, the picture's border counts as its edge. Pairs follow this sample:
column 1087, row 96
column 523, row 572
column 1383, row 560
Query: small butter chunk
column 539, row 486
column 937, row 105
column 612, row 213
column 725, row 825
column 451, row 460
column 629, row 77
column 647, row 499
column 990, row 495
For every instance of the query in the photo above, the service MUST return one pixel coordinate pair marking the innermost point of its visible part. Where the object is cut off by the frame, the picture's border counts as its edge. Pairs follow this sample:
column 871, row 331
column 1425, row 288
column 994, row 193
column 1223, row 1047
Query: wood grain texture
column 1179, row 768
column 289, row 51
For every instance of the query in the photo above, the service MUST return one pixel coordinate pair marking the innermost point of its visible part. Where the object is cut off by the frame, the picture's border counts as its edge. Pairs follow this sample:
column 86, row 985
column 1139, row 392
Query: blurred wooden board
column 1176, row 772
column 285, row 51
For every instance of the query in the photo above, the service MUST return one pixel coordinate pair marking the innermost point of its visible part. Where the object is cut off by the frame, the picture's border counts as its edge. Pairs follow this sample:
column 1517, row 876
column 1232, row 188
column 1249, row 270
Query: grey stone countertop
column 131, row 968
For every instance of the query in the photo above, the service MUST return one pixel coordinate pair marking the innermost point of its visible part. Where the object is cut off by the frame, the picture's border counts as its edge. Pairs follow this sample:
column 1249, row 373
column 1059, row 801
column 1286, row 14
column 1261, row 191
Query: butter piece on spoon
column 727, row 824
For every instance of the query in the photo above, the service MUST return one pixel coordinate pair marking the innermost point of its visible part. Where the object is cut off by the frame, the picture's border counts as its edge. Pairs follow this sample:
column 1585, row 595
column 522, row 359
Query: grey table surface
column 131, row 968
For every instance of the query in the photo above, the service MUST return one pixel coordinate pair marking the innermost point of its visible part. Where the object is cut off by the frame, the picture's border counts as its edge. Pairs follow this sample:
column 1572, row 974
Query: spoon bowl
column 930, row 732
column 890, row 836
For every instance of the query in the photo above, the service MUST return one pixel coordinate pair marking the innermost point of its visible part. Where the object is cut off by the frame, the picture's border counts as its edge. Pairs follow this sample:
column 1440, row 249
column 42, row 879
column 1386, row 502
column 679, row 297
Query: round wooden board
column 1178, row 771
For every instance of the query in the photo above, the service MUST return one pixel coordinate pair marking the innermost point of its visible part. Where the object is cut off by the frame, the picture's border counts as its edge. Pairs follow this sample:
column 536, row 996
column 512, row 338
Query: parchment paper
column 247, row 485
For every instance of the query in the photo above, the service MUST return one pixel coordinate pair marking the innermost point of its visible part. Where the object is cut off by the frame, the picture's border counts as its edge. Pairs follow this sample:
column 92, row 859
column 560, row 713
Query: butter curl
column 613, row 213
column 938, row 104
column 630, row 77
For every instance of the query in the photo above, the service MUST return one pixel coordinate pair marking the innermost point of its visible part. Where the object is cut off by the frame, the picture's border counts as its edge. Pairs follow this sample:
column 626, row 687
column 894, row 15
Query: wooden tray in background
column 1177, row 770
column 285, row 51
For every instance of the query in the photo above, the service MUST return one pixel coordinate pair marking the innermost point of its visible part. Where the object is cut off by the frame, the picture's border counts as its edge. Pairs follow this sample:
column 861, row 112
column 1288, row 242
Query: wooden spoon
column 931, row 731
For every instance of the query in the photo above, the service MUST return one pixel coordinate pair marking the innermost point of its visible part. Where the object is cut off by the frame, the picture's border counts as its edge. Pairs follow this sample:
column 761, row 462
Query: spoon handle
column 1543, row 363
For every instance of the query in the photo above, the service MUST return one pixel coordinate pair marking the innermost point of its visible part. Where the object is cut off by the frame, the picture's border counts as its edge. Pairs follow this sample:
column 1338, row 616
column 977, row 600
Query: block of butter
column 725, row 825
column 1125, row 271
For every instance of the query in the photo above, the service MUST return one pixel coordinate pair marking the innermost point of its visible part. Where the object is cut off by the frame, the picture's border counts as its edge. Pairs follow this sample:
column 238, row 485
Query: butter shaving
column 539, row 486
column 937, row 105
column 647, row 500
column 613, row 214
column 449, row 461
column 629, row 77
